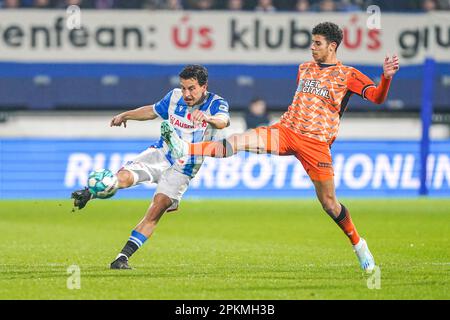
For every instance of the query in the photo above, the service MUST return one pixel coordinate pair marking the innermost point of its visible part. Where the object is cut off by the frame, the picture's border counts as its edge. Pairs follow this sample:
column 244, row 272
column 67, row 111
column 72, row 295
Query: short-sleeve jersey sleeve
column 162, row 107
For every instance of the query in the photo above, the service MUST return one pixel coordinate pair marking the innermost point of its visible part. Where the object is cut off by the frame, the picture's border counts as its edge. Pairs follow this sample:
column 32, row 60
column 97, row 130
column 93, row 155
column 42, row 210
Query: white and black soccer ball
column 102, row 183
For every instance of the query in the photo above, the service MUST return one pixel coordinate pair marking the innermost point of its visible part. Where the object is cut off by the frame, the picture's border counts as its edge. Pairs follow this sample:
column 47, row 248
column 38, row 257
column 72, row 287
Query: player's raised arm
column 140, row 114
column 219, row 121
column 362, row 85
column 378, row 94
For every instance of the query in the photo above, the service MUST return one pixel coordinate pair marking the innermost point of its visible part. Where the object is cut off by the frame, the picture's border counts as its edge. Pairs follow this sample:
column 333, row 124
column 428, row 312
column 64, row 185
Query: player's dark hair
column 330, row 31
column 195, row 71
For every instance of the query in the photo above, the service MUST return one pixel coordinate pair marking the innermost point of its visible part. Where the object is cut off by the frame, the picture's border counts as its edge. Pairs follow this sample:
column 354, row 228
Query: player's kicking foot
column 178, row 147
column 365, row 258
column 81, row 198
column 120, row 263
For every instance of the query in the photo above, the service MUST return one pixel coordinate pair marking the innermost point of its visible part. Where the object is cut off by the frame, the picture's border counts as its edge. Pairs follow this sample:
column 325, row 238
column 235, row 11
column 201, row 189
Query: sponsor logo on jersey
column 313, row 87
column 180, row 124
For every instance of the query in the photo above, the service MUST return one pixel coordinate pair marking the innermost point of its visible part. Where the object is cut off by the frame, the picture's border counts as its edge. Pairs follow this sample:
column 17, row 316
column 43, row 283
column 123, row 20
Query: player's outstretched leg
column 83, row 196
column 256, row 141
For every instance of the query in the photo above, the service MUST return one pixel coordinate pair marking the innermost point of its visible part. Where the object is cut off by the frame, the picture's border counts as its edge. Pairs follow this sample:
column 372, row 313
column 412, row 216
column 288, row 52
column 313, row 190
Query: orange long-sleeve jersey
column 322, row 95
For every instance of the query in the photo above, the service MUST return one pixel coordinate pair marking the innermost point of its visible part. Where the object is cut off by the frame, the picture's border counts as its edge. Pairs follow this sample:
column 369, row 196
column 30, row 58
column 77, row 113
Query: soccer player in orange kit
column 309, row 126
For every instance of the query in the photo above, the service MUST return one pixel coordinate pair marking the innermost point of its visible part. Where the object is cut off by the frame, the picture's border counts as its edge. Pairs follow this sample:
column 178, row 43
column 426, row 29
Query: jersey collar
column 326, row 65
column 201, row 104
column 204, row 102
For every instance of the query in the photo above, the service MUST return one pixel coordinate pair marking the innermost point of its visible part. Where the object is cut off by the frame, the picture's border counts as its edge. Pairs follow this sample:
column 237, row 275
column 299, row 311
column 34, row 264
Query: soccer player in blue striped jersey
column 196, row 115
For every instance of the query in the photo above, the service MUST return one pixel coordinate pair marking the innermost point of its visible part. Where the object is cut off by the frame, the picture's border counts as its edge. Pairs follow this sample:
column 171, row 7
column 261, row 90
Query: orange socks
column 344, row 221
column 216, row 149
column 206, row 148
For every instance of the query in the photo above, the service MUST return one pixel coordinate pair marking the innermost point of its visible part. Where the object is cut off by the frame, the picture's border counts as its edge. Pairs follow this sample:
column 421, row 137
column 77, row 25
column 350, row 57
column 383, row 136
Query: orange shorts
column 314, row 155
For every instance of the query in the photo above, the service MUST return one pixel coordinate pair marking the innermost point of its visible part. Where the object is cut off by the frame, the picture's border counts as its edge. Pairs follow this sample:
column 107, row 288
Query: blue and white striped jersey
column 173, row 108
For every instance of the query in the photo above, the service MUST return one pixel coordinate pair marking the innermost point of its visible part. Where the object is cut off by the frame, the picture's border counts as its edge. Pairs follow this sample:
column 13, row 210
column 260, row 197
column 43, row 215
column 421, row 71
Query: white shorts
column 152, row 166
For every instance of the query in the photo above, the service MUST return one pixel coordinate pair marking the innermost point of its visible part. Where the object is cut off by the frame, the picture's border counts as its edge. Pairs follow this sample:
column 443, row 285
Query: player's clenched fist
column 198, row 116
column 118, row 120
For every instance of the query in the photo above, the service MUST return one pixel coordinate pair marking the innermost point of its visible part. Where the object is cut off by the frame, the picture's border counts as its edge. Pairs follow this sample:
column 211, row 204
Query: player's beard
column 200, row 100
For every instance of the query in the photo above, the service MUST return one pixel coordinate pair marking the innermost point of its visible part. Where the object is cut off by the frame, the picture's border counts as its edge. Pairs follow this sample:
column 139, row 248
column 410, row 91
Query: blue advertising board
column 52, row 168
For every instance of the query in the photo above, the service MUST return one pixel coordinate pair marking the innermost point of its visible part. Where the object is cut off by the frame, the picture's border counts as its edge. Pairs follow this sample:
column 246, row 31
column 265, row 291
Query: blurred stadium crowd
column 250, row 5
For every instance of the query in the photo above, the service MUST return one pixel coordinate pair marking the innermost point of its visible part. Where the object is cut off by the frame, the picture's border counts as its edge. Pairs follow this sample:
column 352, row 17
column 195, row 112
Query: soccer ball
column 102, row 183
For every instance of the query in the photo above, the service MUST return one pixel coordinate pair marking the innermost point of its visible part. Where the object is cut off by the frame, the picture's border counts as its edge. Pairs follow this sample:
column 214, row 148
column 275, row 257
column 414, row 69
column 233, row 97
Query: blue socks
column 135, row 241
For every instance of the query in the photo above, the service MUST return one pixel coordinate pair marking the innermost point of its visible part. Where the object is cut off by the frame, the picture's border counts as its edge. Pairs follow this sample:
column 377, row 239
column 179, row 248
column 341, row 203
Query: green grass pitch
column 249, row 249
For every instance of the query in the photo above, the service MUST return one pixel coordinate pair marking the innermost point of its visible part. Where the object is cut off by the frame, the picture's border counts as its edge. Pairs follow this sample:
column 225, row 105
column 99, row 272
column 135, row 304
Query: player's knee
column 162, row 202
column 125, row 179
